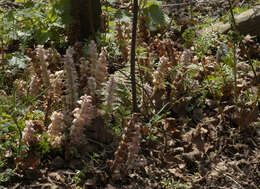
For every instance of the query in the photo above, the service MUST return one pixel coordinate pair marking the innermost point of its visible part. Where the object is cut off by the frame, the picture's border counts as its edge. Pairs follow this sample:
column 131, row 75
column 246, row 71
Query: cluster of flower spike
column 126, row 156
column 40, row 74
column 159, row 74
column 165, row 48
column 28, row 133
column 122, row 39
column 111, row 87
column 43, row 55
column 71, row 85
column 82, row 118
column 41, row 60
column 98, row 68
column 78, row 74
column 32, row 128
column 56, row 80
column 56, row 128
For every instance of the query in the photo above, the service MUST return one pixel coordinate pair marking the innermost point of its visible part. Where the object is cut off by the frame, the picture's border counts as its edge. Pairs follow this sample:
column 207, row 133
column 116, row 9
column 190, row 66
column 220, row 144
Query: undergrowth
column 56, row 99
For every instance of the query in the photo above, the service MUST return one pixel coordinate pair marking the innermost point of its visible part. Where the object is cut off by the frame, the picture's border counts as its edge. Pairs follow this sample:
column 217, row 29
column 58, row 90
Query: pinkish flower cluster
column 43, row 55
column 82, row 118
column 160, row 73
column 56, row 128
column 71, row 85
column 126, row 156
column 111, row 87
column 57, row 84
column 28, row 135
column 34, row 88
column 101, row 68
column 98, row 68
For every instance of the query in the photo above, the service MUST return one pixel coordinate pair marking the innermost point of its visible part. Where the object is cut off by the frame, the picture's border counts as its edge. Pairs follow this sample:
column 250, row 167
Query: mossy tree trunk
column 86, row 17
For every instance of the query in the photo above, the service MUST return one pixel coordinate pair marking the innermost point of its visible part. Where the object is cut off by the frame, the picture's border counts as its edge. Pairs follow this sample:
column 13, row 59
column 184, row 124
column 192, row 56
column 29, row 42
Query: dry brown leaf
column 176, row 172
column 248, row 38
column 59, row 177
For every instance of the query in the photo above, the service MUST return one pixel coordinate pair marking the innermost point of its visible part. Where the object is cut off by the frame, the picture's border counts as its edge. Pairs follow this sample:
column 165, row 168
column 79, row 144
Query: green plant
column 171, row 183
column 6, row 175
column 10, row 126
column 10, row 134
column 167, row 183
column 31, row 23
column 78, row 177
column 189, row 36
column 154, row 125
column 154, row 16
column 44, row 145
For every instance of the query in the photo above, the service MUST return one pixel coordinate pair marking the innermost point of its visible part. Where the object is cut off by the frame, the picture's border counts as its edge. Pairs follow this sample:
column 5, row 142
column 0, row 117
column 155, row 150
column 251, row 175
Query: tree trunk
column 86, row 16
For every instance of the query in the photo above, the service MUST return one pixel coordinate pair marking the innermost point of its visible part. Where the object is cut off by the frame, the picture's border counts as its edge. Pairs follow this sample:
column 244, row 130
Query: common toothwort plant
column 98, row 65
column 56, row 129
column 160, row 74
column 71, row 85
column 98, row 73
column 111, row 87
column 43, row 55
column 32, row 132
column 122, row 41
column 126, row 156
column 28, row 133
column 82, row 118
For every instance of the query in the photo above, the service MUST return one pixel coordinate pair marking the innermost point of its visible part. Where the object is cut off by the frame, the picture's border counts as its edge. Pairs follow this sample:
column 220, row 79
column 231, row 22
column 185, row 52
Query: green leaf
column 5, row 129
column 154, row 2
column 122, row 15
column 6, row 175
column 157, row 14
column 18, row 60
column 43, row 36
column 23, row 34
column 19, row 1
column 154, row 17
column 63, row 8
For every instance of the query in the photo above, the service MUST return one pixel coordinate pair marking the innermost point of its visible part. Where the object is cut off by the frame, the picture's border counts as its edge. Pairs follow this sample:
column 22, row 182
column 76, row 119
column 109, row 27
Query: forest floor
column 203, row 141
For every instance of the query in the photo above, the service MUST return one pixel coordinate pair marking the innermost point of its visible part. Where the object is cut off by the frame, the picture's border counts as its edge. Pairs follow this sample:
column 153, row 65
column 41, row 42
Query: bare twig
column 133, row 81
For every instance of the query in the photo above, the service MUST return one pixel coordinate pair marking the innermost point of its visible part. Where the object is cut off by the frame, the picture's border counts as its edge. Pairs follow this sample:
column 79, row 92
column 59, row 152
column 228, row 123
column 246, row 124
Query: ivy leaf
column 24, row 34
column 154, row 17
column 18, row 60
column 157, row 14
column 63, row 8
column 43, row 36
column 122, row 15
